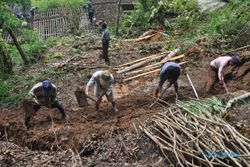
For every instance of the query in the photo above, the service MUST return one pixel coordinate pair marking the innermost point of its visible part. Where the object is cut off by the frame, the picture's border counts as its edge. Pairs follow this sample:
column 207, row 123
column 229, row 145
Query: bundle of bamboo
column 187, row 139
column 147, row 65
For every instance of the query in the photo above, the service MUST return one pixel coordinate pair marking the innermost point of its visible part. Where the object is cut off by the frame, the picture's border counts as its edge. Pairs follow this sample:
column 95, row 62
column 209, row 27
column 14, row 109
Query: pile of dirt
column 105, row 138
column 117, row 150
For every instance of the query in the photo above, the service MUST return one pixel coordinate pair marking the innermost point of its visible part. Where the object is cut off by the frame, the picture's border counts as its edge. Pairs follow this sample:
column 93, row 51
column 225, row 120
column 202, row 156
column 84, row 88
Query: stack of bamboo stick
column 186, row 139
column 147, row 65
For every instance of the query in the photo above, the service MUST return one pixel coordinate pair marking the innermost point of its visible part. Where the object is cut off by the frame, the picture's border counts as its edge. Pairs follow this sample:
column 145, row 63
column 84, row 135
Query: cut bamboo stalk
column 147, row 73
column 144, row 58
column 153, row 66
column 166, row 60
column 191, row 83
column 147, row 61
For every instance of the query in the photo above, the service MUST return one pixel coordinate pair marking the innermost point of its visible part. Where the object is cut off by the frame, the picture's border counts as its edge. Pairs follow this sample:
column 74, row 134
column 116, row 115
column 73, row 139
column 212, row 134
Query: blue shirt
column 172, row 76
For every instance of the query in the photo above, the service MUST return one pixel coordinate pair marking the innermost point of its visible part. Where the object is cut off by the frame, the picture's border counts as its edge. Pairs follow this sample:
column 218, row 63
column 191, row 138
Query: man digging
column 102, row 81
column 217, row 68
column 44, row 94
column 169, row 71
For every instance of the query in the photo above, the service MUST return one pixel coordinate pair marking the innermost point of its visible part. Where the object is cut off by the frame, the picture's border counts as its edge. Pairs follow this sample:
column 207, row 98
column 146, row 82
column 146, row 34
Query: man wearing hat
column 169, row 71
column 44, row 94
column 102, row 81
column 217, row 68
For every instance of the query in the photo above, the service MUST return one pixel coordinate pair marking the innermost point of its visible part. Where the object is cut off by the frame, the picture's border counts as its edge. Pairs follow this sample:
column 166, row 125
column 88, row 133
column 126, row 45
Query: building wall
column 107, row 9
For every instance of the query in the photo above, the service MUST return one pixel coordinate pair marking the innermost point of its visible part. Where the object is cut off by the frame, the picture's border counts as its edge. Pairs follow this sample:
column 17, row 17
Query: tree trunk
column 24, row 57
column 118, row 17
column 5, row 61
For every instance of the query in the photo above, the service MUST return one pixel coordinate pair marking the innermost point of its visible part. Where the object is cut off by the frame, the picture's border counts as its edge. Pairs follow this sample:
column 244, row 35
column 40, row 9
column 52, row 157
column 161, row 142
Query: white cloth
column 95, row 80
column 220, row 63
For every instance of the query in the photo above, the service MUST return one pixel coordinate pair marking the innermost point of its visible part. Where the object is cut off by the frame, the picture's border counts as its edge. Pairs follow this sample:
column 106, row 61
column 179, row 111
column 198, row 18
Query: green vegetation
column 223, row 27
column 48, row 4
column 212, row 104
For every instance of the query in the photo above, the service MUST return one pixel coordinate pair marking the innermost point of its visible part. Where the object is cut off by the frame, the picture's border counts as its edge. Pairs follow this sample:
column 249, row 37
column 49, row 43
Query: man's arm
column 90, row 83
column 221, row 72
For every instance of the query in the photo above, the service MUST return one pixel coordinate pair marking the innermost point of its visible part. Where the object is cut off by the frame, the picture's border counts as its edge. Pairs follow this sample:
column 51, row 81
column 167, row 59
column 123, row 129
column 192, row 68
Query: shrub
column 44, row 5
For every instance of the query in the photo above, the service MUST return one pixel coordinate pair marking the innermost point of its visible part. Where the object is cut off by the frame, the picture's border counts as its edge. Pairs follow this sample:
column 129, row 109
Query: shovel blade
column 81, row 97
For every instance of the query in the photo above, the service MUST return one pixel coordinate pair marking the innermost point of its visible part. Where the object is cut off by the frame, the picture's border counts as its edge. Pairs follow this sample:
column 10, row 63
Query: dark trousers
column 105, row 49
column 36, row 107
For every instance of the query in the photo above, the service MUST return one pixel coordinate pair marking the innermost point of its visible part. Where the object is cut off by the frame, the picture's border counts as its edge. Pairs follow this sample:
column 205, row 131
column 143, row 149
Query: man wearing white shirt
column 102, row 82
column 217, row 68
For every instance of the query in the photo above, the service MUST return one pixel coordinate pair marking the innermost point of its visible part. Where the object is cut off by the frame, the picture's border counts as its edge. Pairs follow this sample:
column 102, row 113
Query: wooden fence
column 55, row 22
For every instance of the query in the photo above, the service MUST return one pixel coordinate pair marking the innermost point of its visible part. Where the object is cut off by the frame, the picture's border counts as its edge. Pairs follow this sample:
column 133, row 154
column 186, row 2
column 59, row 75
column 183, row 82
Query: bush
column 229, row 22
column 4, row 88
column 44, row 5
column 188, row 13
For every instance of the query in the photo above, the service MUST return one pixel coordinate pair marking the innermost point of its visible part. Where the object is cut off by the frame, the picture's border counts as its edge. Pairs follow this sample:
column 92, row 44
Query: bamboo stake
column 191, row 83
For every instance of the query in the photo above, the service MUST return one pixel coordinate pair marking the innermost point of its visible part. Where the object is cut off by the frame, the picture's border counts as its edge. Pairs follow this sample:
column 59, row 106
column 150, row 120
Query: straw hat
column 105, row 77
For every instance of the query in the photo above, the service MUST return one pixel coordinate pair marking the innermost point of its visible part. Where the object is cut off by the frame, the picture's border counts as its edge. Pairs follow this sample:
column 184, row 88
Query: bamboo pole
column 238, row 49
column 139, row 39
column 173, row 53
column 191, row 83
column 147, row 73
column 144, row 58
column 153, row 66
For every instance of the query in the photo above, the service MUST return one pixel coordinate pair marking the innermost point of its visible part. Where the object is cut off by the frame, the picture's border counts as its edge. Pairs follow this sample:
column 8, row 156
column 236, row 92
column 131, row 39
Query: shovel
column 225, row 86
column 82, row 97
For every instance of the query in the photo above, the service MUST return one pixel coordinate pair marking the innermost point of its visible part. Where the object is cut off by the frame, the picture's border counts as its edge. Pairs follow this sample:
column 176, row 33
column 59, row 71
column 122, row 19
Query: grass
column 212, row 104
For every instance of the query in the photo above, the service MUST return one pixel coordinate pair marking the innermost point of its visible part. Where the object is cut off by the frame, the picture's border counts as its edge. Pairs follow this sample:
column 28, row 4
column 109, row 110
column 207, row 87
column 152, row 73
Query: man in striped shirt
column 217, row 68
column 44, row 94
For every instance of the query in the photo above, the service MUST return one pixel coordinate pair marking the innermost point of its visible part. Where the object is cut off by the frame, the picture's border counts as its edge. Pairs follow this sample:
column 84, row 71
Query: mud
column 108, row 138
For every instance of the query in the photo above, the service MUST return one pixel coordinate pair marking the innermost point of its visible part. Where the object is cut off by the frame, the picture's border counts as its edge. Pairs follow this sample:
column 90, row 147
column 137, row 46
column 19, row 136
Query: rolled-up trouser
column 212, row 77
column 109, row 94
column 36, row 107
column 105, row 48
